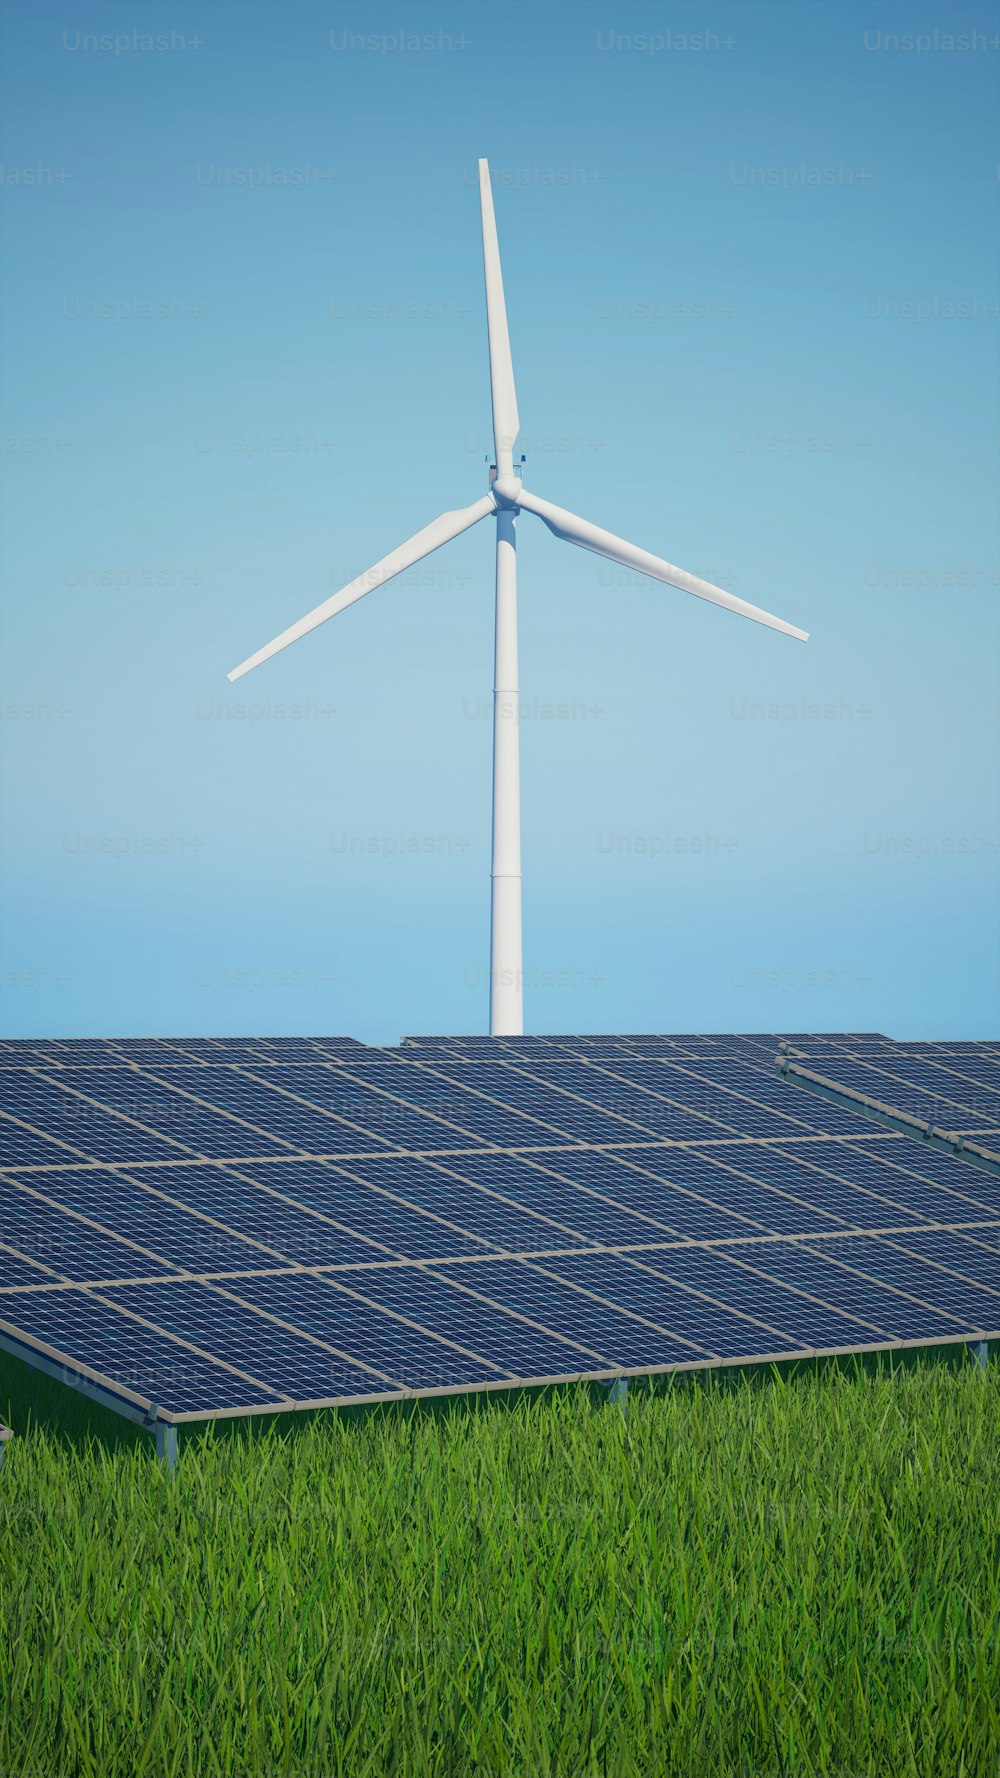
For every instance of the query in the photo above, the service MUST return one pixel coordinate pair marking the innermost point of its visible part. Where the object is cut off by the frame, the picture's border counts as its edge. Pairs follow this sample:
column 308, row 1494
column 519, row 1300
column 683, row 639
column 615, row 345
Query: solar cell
column 63, row 1245
column 80, row 1125
column 136, row 1362
column 18, row 1269
column 934, row 1185
column 286, row 1362
column 911, row 1269
column 405, row 1355
column 589, row 1198
column 785, row 1318
column 22, row 1146
column 467, row 1308
column 962, row 1253
column 205, row 1219
column 758, row 1099
column 719, row 1328
column 983, row 1235
column 830, row 1275
column 650, row 1185
column 449, row 1194
column 331, row 1194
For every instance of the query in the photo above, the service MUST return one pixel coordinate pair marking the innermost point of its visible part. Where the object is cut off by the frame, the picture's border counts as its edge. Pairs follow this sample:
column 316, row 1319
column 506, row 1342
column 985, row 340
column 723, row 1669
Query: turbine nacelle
column 506, row 485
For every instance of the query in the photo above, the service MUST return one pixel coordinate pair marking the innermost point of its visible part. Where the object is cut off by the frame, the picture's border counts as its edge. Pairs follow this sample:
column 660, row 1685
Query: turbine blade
column 439, row 531
column 604, row 543
column 506, row 424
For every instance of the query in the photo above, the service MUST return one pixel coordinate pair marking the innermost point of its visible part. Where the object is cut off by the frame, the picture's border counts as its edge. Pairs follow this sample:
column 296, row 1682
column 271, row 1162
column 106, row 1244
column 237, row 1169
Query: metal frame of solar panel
column 204, row 1228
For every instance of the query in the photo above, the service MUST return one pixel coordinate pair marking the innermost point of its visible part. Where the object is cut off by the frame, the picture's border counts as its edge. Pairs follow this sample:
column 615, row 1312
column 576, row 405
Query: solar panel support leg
column 981, row 1352
column 618, row 1392
column 166, row 1443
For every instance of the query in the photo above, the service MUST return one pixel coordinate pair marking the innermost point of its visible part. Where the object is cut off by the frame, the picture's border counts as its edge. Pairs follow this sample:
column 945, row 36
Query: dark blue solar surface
column 919, row 1179
column 645, row 1183
column 722, row 1330
column 829, row 1274
column 463, row 1207
column 279, row 1359
column 93, row 1131
column 465, row 1303
column 264, row 1222
column 925, row 1090
column 129, row 1357
column 592, row 1316
column 314, row 1110
column 593, row 1106
column 909, row 1267
column 956, row 1090
column 407, row 1354
column 728, row 1277
column 985, row 1237
column 612, row 1338
column 397, row 1230
column 962, row 1254
column 26, row 1263
column 67, row 1248
column 237, row 1226
column 29, row 1148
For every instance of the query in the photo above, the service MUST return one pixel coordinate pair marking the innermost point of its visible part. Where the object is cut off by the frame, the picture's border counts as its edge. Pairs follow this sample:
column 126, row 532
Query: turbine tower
column 506, row 500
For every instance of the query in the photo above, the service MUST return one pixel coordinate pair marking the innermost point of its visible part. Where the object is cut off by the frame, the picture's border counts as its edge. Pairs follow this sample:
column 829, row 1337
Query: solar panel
column 957, row 1092
column 949, row 1090
column 202, row 1227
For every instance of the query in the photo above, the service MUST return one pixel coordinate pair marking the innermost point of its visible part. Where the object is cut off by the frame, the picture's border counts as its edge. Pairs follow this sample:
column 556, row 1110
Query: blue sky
column 751, row 273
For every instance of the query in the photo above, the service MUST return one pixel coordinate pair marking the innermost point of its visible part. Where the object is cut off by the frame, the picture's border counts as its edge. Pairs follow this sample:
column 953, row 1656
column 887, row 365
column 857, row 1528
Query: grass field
column 776, row 1574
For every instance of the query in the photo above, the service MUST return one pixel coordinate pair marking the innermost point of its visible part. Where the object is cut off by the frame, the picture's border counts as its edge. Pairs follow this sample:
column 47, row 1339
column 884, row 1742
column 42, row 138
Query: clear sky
column 750, row 255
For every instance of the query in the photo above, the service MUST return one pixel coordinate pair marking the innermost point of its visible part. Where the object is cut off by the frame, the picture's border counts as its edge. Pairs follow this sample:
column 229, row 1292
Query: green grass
column 777, row 1574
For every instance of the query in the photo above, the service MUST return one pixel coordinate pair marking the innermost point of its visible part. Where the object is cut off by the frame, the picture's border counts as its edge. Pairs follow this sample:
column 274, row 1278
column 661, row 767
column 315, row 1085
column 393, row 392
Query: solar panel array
column 225, row 1226
column 952, row 1086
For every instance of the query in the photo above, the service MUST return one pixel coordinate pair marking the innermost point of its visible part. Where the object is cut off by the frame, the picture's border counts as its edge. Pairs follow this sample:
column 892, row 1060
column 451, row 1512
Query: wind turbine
column 506, row 500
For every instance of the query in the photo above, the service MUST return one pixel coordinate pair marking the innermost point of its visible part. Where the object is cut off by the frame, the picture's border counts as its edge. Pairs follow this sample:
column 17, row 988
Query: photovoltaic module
column 206, row 1227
